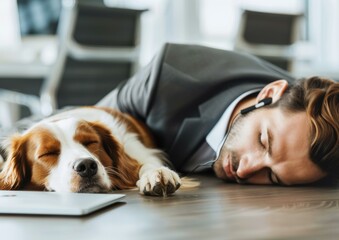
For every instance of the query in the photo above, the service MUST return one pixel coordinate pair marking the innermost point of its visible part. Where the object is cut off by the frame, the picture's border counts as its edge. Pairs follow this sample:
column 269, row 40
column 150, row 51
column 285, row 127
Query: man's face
column 268, row 146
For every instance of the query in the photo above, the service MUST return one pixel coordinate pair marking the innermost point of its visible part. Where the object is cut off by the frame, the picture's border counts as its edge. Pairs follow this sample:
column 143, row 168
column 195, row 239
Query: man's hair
column 319, row 98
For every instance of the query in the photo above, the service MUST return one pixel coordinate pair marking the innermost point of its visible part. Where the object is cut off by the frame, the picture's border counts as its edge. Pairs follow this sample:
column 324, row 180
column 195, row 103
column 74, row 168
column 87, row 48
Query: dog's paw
column 159, row 182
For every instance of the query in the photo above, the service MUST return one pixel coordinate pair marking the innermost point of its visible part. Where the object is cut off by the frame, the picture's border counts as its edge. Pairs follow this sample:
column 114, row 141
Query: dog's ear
column 125, row 169
column 15, row 171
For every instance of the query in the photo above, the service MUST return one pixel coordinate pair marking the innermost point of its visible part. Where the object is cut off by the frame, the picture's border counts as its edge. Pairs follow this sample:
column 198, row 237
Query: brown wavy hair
column 319, row 98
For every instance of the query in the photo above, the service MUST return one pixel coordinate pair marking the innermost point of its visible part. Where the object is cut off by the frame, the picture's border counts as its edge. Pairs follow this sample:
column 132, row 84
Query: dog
column 87, row 149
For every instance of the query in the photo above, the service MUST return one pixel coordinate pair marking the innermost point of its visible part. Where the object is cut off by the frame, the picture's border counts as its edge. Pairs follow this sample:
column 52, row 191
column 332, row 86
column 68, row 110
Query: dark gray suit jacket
column 184, row 91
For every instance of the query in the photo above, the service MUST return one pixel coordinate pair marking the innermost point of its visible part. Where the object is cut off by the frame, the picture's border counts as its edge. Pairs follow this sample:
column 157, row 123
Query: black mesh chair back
column 270, row 36
column 99, row 49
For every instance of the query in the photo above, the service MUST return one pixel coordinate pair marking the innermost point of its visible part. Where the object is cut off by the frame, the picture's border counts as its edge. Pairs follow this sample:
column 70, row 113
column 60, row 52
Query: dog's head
column 68, row 155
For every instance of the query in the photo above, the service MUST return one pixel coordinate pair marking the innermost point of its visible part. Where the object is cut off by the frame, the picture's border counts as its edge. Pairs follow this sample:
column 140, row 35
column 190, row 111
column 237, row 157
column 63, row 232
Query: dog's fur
column 87, row 149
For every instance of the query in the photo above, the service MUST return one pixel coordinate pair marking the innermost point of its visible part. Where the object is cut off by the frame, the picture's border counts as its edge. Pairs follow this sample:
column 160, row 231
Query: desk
column 23, row 70
column 213, row 211
column 26, row 70
column 32, row 59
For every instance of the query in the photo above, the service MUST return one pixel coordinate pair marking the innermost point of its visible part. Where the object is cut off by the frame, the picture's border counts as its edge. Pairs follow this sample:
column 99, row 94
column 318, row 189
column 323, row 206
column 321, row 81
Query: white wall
column 324, row 34
column 9, row 30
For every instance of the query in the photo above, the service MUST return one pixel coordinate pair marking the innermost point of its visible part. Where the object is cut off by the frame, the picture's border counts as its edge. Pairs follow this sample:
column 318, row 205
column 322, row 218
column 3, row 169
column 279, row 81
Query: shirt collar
column 216, row 135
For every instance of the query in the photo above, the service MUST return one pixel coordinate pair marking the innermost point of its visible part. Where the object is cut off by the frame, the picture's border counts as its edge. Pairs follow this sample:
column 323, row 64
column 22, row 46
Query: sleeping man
column 246, row 119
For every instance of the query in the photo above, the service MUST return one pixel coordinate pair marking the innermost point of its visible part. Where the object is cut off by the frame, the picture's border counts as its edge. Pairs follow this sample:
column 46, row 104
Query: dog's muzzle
column 86, row 167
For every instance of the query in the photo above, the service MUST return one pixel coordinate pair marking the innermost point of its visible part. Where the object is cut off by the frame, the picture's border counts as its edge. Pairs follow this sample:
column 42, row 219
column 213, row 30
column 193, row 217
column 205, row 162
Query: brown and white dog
column 87, row 149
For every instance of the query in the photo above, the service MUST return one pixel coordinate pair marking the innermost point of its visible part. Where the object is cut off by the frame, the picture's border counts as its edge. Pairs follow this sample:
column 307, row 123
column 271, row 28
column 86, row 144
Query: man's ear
column 273, row 90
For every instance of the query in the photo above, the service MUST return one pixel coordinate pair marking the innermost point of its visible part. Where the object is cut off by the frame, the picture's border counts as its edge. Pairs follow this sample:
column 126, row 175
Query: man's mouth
column 228, row 169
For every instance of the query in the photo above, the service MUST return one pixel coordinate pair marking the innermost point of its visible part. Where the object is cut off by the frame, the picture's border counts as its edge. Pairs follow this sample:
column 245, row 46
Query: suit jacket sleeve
column 135, row 94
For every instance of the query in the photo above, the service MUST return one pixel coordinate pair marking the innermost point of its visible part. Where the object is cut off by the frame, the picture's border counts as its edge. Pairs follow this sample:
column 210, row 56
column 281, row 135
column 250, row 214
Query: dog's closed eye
column 90, row 143
column 49, row 154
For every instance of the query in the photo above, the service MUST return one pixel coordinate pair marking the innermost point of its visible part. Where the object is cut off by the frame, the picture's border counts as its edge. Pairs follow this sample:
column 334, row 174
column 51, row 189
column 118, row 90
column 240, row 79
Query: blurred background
column 57, row 53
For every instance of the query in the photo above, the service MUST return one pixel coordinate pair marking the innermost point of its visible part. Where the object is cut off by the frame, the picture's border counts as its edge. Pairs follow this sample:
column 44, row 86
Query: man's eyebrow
column 270, row 140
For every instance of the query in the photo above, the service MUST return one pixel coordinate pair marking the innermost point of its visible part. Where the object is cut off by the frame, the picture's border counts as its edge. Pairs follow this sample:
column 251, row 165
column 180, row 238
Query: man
column 191, row 97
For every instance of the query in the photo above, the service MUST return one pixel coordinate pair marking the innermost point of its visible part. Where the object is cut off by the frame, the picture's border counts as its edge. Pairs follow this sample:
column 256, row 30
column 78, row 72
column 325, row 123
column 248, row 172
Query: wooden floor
column 215, row 210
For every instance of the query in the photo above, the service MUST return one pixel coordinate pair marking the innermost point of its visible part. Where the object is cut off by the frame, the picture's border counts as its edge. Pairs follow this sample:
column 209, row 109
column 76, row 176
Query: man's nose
column 249, row 165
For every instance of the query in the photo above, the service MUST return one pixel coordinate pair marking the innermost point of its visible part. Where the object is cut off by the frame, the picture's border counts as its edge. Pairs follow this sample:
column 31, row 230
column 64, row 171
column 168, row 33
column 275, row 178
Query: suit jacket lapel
column 194, row 130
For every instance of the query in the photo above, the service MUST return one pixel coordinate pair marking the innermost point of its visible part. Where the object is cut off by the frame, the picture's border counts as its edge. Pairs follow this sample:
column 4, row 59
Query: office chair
column 270, row 36
column 99, row 48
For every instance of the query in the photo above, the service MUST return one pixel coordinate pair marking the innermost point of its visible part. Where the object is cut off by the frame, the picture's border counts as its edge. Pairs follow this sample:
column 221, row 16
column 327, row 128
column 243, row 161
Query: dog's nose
column 86, row 167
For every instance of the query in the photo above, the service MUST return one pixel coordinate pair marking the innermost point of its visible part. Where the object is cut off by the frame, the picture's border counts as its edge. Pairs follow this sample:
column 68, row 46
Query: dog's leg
column 154, row 178
column 158, row 181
